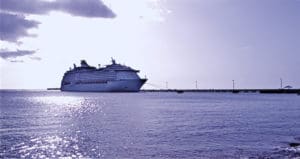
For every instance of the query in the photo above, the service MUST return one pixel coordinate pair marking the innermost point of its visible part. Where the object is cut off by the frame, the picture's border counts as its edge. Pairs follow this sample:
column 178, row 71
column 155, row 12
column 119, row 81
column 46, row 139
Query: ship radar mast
column 113, row 61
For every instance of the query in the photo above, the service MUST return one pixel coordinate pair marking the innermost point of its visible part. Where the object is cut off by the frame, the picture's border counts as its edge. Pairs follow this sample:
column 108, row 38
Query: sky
column 253, row 42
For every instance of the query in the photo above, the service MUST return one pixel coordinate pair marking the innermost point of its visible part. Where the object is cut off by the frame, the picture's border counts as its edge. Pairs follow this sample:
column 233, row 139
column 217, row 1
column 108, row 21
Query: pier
column 51, row 89
column 263, row 91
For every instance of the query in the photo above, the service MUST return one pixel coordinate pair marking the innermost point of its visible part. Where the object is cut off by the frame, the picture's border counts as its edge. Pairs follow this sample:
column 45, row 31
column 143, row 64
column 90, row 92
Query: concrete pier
column 263, row 91
column 273, row 91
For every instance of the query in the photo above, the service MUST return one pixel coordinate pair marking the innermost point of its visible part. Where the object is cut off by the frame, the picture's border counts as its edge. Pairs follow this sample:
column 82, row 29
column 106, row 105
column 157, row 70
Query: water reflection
column 67, row 101
column 66, row 106
column 53, row 127
column 147, row 125
column 49, row 146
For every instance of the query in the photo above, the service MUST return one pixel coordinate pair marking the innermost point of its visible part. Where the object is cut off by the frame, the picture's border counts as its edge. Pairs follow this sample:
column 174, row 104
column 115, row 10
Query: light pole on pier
column 281, row 83
column 196, row 84
column 233, row 84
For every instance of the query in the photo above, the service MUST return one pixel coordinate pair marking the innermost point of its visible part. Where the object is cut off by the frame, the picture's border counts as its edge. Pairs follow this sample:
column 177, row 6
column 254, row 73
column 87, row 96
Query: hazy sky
column 254, row 42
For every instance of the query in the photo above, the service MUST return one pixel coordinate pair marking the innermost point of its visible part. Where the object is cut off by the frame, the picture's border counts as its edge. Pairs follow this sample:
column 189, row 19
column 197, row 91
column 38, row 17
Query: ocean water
column 53, row 124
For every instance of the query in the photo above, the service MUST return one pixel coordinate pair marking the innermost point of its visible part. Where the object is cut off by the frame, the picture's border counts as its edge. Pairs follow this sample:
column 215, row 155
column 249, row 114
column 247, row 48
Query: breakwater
column 269, row 91
column 273, row 91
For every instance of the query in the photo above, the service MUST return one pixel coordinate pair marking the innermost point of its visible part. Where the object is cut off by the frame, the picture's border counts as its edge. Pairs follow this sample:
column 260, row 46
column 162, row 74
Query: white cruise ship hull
column 128, row 85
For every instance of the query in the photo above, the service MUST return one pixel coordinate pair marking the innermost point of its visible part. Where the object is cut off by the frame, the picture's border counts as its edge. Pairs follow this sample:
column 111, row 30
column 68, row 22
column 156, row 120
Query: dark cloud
column 84, row 8
column 13, row 27
column 8, row 55
column 25, row 6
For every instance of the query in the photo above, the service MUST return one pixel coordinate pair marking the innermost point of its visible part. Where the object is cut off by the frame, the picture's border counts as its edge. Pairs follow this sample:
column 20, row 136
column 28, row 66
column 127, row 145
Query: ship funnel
column 84, row 63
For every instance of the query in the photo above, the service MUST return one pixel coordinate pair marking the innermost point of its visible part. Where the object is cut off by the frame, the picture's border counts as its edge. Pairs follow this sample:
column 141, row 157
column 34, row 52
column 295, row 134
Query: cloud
column 13, row 27
column 25, row 6
column 16, row 61
column 84, row 8
column 8, row 55
column 35, row 58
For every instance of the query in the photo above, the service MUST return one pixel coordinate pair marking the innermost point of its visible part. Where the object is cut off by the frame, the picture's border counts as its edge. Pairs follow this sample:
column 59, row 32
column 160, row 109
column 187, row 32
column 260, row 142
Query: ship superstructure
column 111, row 78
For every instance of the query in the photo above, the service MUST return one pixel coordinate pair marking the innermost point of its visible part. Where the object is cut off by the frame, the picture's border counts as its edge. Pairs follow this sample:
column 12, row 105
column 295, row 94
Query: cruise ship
column 111, row 78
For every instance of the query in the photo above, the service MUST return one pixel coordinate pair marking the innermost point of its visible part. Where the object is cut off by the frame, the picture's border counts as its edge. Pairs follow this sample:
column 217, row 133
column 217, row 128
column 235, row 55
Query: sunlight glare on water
column 67, row 101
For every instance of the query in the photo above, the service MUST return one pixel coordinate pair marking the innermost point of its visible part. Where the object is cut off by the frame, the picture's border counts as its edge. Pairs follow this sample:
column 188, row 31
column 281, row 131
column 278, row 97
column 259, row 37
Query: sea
column 159, row 125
